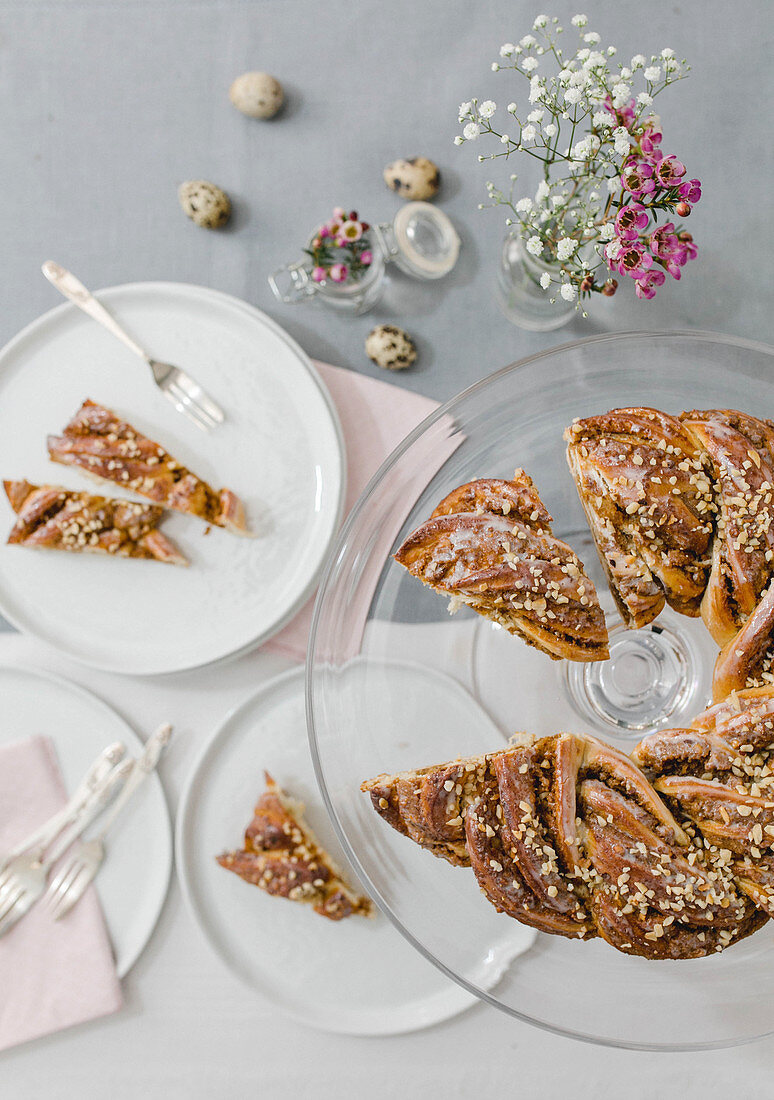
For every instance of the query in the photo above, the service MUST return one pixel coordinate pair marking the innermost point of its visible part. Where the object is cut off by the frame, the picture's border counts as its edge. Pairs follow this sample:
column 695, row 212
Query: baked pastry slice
column 649, row 501
column 718, row 777
column 741, row 452
column 566, row 835
column 103, row 445
column 489, row 545
column 282, row 857
column 52, row 518
column 747, row 660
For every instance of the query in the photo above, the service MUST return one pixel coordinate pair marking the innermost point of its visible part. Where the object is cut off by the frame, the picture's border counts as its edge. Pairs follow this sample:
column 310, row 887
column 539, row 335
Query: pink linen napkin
column 52, row 976
column 375, row 416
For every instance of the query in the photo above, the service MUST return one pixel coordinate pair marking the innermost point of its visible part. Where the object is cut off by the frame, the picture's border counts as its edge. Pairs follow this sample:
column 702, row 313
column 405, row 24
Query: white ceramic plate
column 134, row 878
column 280, row 451
column 357, row 977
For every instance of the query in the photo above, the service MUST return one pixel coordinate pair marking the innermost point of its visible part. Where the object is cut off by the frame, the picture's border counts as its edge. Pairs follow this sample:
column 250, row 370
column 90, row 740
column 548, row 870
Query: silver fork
column 184, row 392
column 34, row 844
column 69, row 884
column 24, row 878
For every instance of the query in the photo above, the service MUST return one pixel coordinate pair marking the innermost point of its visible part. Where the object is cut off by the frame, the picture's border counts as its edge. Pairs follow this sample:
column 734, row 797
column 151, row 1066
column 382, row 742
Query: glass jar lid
column 426, row 242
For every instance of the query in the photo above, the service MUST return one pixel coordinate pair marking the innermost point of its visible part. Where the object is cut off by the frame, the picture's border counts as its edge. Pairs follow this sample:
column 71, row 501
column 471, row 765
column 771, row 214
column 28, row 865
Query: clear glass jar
column 421, row 241
column 519, row 294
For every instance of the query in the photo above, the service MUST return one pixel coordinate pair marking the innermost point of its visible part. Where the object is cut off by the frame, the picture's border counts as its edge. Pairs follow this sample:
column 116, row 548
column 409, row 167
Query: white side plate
column 280, row 450
column 134, row 878
column 358, row 976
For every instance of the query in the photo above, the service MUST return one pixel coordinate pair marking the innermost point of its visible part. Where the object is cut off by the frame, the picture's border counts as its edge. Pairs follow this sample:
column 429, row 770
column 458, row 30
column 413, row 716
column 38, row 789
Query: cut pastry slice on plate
column 52, row 518
column 648, row 496
column 282, row 856
column 489, row 545
column 101, row 444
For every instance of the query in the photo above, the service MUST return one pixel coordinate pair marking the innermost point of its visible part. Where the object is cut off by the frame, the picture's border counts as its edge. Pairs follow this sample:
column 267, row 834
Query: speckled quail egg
column 258, row 95
column 204, row 203
column 416, row 178
column 390, row 347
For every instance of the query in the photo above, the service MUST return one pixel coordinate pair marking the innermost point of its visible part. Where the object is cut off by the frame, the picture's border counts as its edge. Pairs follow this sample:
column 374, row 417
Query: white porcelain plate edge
column 21, row 612
column 146, row 823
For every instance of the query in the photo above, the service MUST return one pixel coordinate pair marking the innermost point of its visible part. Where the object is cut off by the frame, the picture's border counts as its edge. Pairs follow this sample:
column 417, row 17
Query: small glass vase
column 521, row 297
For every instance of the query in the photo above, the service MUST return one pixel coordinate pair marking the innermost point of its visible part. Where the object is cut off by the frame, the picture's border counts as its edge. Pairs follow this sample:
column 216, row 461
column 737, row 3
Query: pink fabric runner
column 51, row 975
column 375, row 416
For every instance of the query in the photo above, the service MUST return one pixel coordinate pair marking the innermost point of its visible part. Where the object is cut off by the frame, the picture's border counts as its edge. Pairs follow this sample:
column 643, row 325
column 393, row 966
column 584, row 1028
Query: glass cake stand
column 382, row 644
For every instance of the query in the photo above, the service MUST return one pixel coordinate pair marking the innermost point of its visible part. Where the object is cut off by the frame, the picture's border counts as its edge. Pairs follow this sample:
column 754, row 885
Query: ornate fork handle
column 143, row 766
column 72, row 288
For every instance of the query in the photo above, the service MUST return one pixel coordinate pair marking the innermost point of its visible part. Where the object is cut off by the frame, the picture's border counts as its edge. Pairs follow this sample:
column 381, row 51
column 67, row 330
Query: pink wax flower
column 339, row 273
column 318, row 274
column 323, row 232
column 637, row 177
column 631, row 220
column 633, row 260
column 339, row 213
column 686, row 243
column 690, row 191
column 670, row 171
column 664, row 242
column 645, row 287
column 624, row 115
column 367, row 257
column 351, row 231
column 651, row 137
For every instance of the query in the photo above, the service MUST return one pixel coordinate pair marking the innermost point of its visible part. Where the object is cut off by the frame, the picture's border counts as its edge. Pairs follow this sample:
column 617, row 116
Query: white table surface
column 108, row 106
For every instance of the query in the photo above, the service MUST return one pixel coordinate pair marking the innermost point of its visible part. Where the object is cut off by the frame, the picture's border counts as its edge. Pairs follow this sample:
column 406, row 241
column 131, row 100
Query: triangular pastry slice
column 100, row 443
column 52, row 518
column 282, row 856
column 489, row 545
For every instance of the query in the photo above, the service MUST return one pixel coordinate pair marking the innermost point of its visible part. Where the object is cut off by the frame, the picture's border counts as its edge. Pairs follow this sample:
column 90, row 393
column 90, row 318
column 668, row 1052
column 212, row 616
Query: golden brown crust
column 282, row 857
column 99, row 442
column 566, row 835
column 719, row 778
column 747, row 660
column 649, row 501
column 741, row 452
column 52, row 518
column 496, row 554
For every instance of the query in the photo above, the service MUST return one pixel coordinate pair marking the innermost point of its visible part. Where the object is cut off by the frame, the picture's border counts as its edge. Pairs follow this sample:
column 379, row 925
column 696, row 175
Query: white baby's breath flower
column 471, row 131
column 536, row 89
column 607, row 232
column 602, row 119
column 621, row 92
column 611, row 51
column 568, row 292
column 645, row 99
column 495, row 67
column 670, row 65
column 572, row 95
column 626, row 74
column 541, row 21
column 652, row 73
column 535, row 116
column 550, row 130
column 529, row 64
column 534, row 246
column 459, row 140
column 507, row 49
column 613, row 248
column 621, row 140
column 583, row 54
column 613, row 185
column 487, row 108
column 545, row 280
column 667, row 52
column 592, row 38
column 638, row 62
column 579, row 20
column 523, row 206
column 504, row 139
column 528, row 41
column 543, row 191
column 565, row 248
column 528, row 133
column 465, row 111
column 564, row 76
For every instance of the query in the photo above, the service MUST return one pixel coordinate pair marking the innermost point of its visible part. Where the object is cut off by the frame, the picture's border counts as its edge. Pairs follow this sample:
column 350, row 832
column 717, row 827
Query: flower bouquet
column 606, row 181
column 340, row 249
